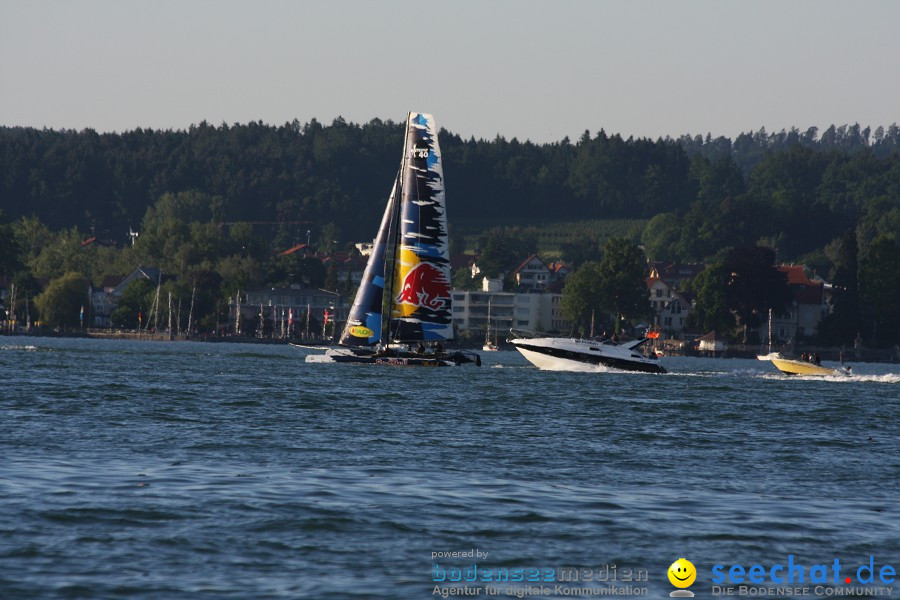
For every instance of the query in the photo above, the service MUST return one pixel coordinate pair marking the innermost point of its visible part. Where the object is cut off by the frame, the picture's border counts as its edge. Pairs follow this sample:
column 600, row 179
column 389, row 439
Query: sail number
column 419, row 153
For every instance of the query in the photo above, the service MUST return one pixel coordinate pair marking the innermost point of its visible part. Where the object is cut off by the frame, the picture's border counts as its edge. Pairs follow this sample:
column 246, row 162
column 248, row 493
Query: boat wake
column 854, row 378
column 28, row 348
column 319, row 358
column 588, row 368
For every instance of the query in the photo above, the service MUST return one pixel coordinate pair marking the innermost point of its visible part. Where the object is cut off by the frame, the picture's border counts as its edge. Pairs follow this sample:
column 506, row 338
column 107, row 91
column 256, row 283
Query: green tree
column 711, row 311
column 167, row 239
column 582, row 296
column 661, row 235
column 61, row 302
column 879, row 290
column 463, row 280
column 136, row 299
column 623, row 272
column 754, row 285
column 579, row 250
column 239, row 274
column 842, row 325
column 502, row 249
column 331, row 276
column 63, row 253
column 10, row 261
column 31, row 237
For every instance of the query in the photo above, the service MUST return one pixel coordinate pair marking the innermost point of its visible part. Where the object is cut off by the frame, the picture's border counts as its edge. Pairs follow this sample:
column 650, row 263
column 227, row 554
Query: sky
column 518, row 68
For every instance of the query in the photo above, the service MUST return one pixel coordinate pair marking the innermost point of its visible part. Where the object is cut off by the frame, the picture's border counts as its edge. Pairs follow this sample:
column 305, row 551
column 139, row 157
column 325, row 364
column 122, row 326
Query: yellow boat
column 802, row 367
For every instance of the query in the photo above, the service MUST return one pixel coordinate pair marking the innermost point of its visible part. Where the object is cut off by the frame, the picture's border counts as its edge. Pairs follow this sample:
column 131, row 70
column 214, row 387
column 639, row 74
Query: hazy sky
column 526, row 69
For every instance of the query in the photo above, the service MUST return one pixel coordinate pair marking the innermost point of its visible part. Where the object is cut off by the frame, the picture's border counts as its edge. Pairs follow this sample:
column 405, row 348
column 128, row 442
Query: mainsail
column 411, row 250
column 420, row 306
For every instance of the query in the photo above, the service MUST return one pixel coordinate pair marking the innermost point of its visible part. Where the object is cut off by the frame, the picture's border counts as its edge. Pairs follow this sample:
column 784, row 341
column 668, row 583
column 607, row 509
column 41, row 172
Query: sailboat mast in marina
column 404, row 299
column 490, row 334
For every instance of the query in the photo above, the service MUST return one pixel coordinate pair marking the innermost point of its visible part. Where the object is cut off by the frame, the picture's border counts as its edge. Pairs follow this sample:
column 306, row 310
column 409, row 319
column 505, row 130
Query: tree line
column 216, row 203
column 341, row 174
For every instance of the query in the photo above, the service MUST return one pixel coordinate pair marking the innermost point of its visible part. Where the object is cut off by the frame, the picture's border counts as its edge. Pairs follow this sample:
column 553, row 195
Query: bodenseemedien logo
column 682, row 574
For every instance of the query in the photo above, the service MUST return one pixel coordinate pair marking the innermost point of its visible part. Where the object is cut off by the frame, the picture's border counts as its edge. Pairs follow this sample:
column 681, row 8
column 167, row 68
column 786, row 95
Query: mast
column 390, row 265
column 191, row 312
column 154, row 309
column 237, row 313
column 487, row 332
column 11, row 312
column 169, row 327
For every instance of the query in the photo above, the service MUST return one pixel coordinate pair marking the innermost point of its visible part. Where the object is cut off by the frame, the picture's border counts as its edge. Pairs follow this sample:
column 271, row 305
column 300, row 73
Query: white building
column 532, row 311
column 806, row 310
column 105, row 298
column 671, row 307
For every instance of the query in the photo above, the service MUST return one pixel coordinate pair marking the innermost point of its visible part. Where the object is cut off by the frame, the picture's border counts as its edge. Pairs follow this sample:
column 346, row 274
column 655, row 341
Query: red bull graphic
column 425, row 285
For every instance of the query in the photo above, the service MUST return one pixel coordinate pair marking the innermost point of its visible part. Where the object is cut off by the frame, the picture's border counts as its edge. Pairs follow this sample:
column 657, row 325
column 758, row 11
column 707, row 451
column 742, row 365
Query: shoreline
column 851, row 355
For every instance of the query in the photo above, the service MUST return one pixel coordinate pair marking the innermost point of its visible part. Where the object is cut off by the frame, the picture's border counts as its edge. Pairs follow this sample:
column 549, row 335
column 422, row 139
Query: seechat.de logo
column 682, row 574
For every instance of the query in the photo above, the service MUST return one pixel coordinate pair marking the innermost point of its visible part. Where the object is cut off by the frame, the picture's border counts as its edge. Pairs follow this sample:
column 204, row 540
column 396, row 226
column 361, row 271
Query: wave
column 319, row 358
column 28, row 348
column 855, row 378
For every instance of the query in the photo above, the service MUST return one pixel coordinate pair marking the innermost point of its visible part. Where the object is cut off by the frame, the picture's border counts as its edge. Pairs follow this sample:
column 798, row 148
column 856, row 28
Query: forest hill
column 826, row 199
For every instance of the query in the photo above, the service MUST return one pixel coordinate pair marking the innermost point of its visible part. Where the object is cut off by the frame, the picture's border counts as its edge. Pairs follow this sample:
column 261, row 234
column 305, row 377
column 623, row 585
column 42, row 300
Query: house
column 299, row 249
column 532, row 274
column 558, row 270
column 711, row 342
column 675, row 274
column 808, row 306
column 104, row 298
column 349, row 268
column 95, row 241
column 671, row 306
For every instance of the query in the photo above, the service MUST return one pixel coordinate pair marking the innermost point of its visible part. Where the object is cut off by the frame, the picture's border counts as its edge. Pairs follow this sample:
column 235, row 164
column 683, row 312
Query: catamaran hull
column 553, row 354
column 395, row 359
column 800, row 367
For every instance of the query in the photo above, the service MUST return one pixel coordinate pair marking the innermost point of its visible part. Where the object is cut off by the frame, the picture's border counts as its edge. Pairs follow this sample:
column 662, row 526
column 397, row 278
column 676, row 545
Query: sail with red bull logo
column 404, row 295
column 420, row 308
column 411, row 253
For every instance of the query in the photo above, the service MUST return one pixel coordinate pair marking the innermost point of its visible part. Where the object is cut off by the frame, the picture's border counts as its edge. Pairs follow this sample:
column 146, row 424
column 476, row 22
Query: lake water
column 193, row 470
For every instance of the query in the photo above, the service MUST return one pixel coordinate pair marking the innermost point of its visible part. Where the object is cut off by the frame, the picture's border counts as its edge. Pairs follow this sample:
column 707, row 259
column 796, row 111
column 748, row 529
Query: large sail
column 420, row 303
column 364, row 322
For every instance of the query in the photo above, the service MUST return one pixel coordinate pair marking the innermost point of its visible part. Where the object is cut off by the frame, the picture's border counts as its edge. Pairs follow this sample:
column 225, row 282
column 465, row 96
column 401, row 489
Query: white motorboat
column 554, row 354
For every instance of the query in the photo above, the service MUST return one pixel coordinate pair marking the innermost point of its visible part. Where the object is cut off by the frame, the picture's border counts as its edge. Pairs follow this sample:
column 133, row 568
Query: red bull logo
column 425, row 285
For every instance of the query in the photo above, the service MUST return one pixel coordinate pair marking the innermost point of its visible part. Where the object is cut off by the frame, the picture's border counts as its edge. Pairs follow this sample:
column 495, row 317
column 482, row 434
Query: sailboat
column 490, row 334
column 402, row 311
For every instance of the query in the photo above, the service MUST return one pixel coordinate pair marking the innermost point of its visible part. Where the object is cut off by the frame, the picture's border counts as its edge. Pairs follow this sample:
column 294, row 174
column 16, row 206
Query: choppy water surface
column 190, row 470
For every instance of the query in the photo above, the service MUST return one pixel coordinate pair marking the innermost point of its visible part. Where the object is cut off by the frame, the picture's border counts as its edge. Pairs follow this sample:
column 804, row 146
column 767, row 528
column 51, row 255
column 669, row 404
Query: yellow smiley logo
column 682, row 573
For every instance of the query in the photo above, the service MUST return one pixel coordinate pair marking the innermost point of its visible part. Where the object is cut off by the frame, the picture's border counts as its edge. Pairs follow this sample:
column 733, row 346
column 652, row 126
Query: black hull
column 594, row 359
column 409, row 359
